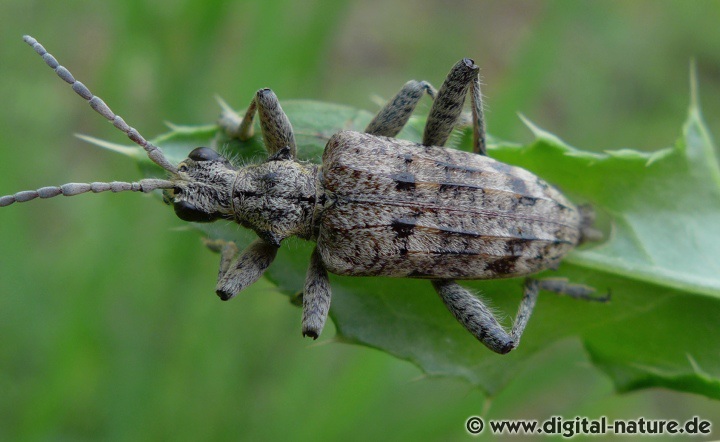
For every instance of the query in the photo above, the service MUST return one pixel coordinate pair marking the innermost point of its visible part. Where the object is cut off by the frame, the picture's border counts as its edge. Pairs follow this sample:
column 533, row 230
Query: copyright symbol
column 474, row 425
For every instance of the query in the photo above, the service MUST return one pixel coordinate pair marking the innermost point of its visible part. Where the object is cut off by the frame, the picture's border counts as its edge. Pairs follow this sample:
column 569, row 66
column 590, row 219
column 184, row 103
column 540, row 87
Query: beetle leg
column 448, row 104
column 276, row 128
column 228, row 252
column 477, row 318
column 396, row 113
column 238, row 273
column 316, row 298
column 561, row 286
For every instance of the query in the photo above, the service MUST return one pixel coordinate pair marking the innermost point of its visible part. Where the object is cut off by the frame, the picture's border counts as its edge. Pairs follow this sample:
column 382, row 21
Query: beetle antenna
column 153, row 152
column 72, row 189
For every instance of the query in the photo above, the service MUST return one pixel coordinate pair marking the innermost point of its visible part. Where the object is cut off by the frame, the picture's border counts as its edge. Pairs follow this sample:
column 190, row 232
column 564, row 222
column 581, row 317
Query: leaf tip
column 119, row 148
column 694, row 91
column 695, row 366
column 378, row 100
column 658, row 155
column 170, row 125
column 530, row 125
column 223, row 104
column 543, row 135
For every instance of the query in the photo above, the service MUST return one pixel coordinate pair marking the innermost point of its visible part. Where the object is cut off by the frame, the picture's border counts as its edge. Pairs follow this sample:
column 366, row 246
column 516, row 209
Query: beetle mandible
column 376, row 206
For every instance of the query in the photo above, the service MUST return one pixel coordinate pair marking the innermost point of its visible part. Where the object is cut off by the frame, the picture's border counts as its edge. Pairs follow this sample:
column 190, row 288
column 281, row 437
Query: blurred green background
column 109, row 328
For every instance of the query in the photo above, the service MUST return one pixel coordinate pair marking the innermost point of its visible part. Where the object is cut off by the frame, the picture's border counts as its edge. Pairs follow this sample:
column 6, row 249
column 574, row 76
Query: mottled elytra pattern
column 376, row 206
column 417, row 209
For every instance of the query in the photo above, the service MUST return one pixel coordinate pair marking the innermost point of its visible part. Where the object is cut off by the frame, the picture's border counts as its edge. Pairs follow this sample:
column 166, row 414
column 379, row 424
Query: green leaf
column 661, row 215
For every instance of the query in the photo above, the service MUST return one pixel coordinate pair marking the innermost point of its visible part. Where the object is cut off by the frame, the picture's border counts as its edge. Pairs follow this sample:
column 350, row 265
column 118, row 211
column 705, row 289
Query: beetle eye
column 203, row 154
column 188, row 212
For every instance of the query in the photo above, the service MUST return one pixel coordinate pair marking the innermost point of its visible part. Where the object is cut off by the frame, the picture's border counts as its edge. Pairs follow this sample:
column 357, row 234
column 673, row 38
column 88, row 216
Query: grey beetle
column 376, row 206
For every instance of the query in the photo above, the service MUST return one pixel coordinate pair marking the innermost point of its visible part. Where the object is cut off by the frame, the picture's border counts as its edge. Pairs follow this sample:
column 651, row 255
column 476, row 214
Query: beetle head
column 202, row 187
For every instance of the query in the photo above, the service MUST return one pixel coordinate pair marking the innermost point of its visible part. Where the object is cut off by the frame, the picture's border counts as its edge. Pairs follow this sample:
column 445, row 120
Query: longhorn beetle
column 375, row 206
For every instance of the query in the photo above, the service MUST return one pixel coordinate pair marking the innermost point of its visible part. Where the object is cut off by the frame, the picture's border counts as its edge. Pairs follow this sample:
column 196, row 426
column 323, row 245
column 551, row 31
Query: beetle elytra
column 375, row 206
